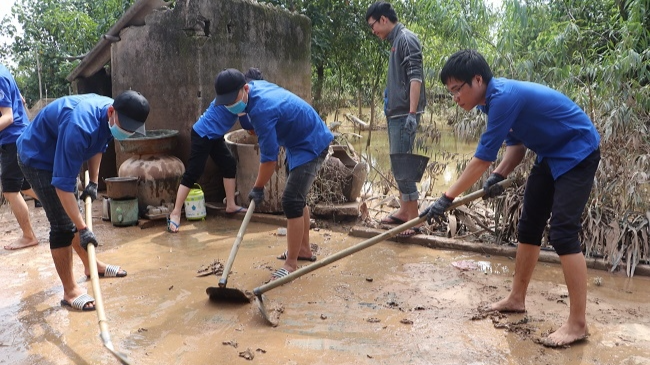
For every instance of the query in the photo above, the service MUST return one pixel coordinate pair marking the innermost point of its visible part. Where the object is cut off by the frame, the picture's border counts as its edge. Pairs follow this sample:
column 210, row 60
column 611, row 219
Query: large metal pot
column 121, row 187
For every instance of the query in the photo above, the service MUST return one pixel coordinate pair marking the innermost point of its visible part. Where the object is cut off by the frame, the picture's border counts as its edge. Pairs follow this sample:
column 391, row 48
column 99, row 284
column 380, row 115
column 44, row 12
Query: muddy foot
column 504, row 306
column 563, row 337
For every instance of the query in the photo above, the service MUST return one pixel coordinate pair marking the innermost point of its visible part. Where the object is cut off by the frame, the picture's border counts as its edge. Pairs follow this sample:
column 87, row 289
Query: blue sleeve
column 72, row 143
column 268, row 140
column 5, row 93
column 215, row 122
column 501, row 114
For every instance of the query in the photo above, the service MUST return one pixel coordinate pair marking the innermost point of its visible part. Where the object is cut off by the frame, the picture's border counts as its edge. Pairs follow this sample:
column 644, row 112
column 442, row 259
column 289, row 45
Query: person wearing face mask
column 207, row 139
column 66, row 133
column 281, row 119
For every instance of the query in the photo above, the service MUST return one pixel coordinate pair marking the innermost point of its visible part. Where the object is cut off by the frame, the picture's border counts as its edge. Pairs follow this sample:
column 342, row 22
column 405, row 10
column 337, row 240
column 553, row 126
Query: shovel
column 94, row 278
column 259, row 291
column 221, row 293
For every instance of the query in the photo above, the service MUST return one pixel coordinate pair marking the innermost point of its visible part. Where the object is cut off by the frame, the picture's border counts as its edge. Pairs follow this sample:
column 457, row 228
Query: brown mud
column 392, row 303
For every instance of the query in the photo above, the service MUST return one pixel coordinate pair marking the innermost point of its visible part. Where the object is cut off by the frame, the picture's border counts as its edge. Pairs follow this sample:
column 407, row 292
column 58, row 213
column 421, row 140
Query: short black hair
column 381, row 8
column 253, row 73
column 464, row 65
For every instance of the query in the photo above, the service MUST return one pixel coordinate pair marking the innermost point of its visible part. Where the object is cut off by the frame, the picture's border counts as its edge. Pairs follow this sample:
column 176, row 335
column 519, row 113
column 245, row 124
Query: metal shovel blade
column 259, row 300
column 229, row 295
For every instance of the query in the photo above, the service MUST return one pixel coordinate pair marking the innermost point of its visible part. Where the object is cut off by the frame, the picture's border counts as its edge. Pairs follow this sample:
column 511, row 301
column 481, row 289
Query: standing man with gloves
column 66, row 133
column 405, row 98
column 530, row 116
column 281, row 119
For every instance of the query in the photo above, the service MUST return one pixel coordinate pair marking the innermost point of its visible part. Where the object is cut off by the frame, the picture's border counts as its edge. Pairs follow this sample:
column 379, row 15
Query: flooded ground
column 393, row 303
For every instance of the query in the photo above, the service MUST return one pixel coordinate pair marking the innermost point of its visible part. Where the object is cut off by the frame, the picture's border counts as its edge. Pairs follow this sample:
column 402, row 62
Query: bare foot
column 506, row 306
column 565, row 335
column 21, row 243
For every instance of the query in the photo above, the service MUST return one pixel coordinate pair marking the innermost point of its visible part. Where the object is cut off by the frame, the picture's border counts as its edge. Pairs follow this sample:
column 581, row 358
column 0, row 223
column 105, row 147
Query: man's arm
column 93, row 167
column 511, row 158
column 414, row 96
column 265, row 172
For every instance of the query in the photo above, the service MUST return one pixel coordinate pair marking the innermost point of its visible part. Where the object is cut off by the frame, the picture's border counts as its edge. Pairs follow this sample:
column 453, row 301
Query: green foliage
column 53, row 33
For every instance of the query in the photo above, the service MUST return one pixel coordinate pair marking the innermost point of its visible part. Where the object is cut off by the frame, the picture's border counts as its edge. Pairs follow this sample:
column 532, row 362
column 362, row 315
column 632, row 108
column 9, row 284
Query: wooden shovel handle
column 367, row 243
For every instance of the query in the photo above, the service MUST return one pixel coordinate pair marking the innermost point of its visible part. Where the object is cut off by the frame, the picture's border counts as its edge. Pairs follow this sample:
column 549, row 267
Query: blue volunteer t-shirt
column 215, row 122
column 542, row 119
column 10, row 98
column 281, row 118
column 64, row 134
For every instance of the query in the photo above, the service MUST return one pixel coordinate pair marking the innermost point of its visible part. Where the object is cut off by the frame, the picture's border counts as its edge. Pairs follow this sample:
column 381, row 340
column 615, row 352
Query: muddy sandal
column 80, row 303
column 280, row 273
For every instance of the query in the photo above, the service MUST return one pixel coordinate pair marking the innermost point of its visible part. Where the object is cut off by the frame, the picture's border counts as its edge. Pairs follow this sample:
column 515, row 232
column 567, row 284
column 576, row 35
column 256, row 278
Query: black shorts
column 11, row 176
column 562, row 200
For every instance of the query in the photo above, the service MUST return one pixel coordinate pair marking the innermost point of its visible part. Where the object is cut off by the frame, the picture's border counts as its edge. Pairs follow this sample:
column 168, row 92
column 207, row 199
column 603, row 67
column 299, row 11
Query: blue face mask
column 119, row 133
column 237, row 108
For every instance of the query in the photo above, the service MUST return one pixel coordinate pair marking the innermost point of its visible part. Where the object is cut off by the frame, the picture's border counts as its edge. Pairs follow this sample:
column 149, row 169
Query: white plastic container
column 195, row 204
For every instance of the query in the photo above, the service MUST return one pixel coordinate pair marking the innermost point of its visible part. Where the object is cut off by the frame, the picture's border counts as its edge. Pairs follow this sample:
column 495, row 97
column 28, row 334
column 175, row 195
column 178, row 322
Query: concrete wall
column 174, row 58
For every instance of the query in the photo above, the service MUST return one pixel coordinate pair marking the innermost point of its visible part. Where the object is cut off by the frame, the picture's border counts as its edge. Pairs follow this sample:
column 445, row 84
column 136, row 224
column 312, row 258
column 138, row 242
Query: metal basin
column 121, row 187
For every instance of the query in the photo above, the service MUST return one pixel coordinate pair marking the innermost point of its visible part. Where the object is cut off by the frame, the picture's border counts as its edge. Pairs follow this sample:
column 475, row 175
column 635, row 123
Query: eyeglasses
column 456, row 91
column 372, row 25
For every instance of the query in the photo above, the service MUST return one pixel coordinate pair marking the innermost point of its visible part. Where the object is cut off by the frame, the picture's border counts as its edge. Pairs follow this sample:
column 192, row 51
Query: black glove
column 490, row 186
column 257, row 195
column 437, row 209
column 87, row 237
column 89, row 191
column 411, row 124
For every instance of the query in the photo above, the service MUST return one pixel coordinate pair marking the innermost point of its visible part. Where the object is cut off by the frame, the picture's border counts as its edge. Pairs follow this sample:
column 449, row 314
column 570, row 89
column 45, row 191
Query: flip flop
column 279, row 273
column 171, row 223
column 112, row 271
column 240, row 210
column 392, row 220
column 409, row 232
column 283, row 256
column 80, row 303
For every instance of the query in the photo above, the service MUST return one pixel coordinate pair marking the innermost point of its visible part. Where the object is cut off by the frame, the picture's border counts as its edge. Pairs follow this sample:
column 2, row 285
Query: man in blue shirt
column 13, row 121
column 66, row 133
column 281, row 119
column 530, row 116
column 207, row 139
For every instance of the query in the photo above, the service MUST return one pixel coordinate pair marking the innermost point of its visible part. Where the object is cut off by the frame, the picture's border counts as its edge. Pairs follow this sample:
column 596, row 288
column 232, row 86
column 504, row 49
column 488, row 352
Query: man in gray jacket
column 405, row 98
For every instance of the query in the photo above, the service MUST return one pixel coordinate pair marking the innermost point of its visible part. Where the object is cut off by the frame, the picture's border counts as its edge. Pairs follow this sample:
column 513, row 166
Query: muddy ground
column 393, row 303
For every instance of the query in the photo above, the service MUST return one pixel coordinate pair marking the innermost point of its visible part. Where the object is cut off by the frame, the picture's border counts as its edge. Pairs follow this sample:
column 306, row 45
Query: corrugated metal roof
column 101, row 53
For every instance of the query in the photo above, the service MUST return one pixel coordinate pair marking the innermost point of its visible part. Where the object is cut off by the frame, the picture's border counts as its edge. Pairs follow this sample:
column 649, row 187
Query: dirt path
column 390, row 304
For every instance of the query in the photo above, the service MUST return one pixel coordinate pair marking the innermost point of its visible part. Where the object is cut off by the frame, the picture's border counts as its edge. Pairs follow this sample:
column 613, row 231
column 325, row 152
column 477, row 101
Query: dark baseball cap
column 227, row 85
column 132, row 110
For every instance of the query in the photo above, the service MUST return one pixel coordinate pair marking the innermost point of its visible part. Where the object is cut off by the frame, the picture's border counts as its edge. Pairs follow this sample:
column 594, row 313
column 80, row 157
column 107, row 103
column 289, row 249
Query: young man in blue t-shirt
column 530, row 116
column 51, row 151
column 281, row 119
column 13, row 121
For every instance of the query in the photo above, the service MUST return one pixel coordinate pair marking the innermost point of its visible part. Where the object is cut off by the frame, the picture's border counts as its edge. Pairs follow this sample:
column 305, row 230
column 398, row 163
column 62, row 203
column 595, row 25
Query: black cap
column 132, row 110
column 227, row 85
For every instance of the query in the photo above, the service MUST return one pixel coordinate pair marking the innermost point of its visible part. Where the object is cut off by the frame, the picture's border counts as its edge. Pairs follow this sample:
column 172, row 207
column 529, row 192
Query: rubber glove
column 437, row 210
column 257, row 195
column 90, row 190
column 86, row 237
column 491, row 187
column 411, row 124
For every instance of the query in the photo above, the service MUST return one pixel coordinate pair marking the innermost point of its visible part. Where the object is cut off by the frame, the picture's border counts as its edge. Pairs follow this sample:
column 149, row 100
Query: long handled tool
column 259, row 291
column 221, row 293
column 94, row 278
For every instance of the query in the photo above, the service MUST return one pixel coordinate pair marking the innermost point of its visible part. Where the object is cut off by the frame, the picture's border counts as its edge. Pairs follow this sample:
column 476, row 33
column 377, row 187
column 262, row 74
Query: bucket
column 195, row 204
column 122, row 187
column 124, row 212
column 408, row 167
